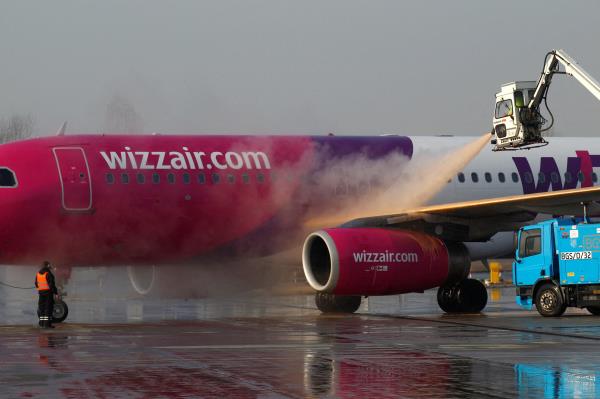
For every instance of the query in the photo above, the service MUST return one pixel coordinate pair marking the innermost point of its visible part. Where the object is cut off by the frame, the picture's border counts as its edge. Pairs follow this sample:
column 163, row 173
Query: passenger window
column 141, row 179
column 474, row 177
column 186, row 178
column 515, row 177
column 594, row 177
column 124, row 178
column 541, row 177
column 461, row 177
column 501, row 177
column 260, row 177
column 216, row 178
column 231, row 179
column 245, row 178
column 171, row 178
column 201, row 178
column 155, row 178
column 528, row 178
column 568, row 177
column 110, row 178
column 580, row 176
column 488, row 177
column 554, row 177
column 530, row 243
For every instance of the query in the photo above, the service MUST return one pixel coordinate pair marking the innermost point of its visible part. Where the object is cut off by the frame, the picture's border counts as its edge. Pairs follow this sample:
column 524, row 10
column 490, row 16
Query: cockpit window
column 7, row 178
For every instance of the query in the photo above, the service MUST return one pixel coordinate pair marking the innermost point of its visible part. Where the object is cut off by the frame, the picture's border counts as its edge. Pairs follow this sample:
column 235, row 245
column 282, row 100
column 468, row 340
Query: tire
column 471, row 296
column 60, row 312
column 468, row 296
column 595, row 310
column 549, row 301
column 329, row 303
column 446, row 298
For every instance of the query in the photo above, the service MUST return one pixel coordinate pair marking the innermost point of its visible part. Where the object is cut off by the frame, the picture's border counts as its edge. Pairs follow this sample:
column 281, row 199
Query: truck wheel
column 549, row 301
column 329, row 303
column 595, row 310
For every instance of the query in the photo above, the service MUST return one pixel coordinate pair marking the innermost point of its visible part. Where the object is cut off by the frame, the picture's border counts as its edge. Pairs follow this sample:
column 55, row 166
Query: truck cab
column 512, row 122
column 557, row 264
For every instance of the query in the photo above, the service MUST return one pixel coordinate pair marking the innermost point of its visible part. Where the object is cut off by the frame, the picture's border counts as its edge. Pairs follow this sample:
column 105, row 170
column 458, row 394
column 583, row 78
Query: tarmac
column 257, row 345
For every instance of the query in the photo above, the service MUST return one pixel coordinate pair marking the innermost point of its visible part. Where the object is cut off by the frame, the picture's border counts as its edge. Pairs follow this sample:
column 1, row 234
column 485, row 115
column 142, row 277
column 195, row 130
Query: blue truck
column 557, row 265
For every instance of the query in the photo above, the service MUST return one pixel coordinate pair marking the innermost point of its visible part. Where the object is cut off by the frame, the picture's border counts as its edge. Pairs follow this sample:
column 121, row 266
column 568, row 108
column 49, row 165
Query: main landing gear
column 329, row 303
column 466, row 296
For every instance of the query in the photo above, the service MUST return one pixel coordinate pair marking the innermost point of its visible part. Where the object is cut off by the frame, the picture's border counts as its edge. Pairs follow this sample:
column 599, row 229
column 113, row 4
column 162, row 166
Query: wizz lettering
column 185, row 159
column 579, row 170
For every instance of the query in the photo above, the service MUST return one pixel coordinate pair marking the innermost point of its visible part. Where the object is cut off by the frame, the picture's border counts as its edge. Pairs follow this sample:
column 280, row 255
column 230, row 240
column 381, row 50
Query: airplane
column 91, row 200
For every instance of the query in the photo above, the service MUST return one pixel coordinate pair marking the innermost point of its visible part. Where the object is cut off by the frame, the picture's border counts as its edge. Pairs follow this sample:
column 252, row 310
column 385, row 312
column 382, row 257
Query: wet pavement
column 280, row 346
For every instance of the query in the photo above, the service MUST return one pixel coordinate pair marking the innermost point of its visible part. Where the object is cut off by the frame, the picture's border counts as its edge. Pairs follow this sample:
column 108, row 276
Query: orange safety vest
column 42, row 282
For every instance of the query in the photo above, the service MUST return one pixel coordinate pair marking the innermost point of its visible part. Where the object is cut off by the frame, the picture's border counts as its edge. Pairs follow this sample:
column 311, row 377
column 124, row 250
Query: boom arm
column 553, row 59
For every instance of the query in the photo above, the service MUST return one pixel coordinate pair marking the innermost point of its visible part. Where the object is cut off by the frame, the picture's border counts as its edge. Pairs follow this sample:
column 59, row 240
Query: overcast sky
column 302, row 67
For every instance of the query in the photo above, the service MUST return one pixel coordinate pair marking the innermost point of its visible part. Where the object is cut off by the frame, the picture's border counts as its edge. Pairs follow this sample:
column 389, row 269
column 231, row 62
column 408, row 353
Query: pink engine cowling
column 376, row 261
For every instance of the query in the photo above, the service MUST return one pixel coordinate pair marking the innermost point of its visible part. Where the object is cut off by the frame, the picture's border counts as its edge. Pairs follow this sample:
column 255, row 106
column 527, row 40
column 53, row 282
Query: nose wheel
column 59, row 312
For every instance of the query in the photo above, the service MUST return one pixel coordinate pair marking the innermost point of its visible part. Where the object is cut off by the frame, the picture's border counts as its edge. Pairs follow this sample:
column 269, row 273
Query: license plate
column 581, row 255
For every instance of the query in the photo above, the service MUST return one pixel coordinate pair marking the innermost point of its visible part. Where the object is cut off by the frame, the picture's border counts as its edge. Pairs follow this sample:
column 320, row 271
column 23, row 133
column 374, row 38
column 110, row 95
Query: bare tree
column 121, row 116
column 16, row 127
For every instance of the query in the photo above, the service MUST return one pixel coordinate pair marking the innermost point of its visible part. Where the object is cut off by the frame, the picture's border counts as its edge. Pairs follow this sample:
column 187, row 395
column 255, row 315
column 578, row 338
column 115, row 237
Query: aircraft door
column 74, row 175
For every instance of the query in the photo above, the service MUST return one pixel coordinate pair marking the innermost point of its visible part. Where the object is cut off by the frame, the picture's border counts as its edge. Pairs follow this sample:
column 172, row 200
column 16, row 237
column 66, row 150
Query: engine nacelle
column 376, row 261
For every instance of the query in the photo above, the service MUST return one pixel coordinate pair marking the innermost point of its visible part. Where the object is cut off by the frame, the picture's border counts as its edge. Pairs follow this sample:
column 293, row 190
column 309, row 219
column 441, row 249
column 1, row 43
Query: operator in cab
column 44, row 282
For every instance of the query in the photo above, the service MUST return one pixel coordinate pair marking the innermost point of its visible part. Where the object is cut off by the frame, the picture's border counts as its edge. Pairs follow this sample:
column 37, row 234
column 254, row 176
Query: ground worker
column 44, row 282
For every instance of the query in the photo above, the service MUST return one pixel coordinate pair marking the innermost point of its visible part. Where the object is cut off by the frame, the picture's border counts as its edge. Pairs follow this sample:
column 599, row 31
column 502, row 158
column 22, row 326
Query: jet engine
column 341, row 263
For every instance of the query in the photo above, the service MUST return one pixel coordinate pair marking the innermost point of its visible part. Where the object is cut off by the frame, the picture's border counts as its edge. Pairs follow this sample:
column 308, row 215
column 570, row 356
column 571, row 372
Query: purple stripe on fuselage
column 371, row 147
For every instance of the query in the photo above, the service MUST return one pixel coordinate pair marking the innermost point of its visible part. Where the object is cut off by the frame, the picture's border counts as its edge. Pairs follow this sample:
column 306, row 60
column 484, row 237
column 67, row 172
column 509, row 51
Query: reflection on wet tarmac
column 261, row 346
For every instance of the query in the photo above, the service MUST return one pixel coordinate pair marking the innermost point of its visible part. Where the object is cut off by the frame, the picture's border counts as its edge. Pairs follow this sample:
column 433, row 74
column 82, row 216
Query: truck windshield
column 530, row 243
column 504, row 108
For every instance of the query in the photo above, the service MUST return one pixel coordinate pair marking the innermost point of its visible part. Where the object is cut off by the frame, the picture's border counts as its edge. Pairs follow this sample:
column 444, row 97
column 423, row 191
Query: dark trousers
column 45, row 307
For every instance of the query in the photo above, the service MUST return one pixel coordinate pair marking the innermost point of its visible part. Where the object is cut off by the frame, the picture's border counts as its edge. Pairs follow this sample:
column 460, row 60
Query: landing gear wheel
column 447, row 299
column 329, row 303
column 467, row 296
column 549, row 301
column 60, row 312
column 472, row 296
column 595, row 310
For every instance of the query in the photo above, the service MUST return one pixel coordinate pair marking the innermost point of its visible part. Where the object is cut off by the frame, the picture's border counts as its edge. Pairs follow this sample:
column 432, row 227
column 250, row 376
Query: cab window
column 504, row 108
column 519, row 101
column 530, row 243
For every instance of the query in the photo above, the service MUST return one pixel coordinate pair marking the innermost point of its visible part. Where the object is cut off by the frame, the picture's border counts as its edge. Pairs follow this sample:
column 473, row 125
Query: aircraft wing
column 480, row 219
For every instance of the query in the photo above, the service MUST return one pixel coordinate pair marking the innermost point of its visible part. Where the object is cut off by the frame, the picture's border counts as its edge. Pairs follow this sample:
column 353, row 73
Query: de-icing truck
column 557, row 265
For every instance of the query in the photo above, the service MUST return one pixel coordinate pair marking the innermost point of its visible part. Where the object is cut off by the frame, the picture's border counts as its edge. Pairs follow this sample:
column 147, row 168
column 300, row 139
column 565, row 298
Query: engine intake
column 375, row 261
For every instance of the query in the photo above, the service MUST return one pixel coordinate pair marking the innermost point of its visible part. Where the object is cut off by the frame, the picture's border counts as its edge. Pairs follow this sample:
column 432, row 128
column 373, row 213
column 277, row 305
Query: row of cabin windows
column 186, row 178
column 554, row 177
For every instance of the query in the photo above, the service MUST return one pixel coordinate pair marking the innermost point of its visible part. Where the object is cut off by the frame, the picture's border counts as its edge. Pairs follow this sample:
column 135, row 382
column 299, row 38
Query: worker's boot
column 47, row 324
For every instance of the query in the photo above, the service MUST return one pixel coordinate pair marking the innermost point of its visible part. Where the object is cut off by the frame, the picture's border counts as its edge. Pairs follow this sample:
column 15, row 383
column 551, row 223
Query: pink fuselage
column 80, row 200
